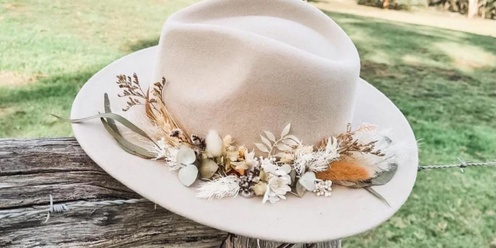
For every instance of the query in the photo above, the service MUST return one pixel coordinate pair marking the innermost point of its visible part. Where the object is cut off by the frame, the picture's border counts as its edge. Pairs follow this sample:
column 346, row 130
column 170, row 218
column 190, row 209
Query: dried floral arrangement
column 357, row 158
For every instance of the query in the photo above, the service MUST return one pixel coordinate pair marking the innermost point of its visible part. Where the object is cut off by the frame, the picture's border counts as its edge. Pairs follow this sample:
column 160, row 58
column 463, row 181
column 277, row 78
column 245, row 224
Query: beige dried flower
column 260, row 188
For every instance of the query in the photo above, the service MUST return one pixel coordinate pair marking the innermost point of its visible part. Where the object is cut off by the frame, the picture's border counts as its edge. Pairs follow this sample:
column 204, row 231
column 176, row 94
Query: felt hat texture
column 241, row 67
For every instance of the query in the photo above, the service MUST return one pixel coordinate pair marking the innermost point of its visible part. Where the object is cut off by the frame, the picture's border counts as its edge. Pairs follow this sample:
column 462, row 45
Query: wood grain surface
column 33, row 169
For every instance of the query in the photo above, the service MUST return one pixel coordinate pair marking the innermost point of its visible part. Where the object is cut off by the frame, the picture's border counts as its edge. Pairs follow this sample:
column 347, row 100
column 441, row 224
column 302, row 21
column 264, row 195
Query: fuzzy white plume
column 214, row 144
column 392, row 150
column 219, row 188
column 316, row 161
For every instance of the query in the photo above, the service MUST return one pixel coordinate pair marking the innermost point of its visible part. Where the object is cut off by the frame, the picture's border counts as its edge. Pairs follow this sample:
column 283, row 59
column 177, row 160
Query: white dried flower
column 323, row 188
column 214, row 144
column 278, row 180
column 166, row 152
column 250, row 161
column 277, row 187
column 219, row 188
column 260, row 188
column 316, row 161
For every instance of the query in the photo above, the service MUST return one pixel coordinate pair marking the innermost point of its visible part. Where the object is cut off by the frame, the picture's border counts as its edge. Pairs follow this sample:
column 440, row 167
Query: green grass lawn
column 443, row 81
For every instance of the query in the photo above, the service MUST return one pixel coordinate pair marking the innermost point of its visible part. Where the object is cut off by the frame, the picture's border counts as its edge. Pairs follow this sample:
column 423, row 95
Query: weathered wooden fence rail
column 33, row 169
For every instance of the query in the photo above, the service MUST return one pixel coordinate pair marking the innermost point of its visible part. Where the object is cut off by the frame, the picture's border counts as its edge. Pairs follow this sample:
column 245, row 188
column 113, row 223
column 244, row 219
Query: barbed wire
column 460, row 165
column 64, row 207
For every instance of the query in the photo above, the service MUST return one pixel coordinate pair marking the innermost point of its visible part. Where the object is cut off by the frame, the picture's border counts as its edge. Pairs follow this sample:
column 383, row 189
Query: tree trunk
column 473, row 8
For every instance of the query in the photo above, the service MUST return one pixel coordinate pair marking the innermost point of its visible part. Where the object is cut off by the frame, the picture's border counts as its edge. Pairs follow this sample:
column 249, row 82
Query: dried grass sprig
column 131, row 89
column 155, row 108
column 348, row 144
column 158, row 113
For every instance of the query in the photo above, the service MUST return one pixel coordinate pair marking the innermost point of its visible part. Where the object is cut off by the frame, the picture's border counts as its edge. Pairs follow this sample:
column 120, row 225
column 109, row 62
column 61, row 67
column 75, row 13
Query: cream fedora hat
column 247, row 69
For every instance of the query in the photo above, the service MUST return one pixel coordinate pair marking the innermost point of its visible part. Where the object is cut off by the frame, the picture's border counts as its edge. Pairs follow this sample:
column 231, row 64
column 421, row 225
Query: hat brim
column 311, row 219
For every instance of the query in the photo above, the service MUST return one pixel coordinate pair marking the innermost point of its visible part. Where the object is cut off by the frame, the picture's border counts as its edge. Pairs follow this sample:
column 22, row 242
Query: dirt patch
column 12, row 78
column 425, row 17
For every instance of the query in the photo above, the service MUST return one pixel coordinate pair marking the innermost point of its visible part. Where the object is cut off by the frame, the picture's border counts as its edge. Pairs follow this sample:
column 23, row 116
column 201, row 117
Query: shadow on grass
column 142, row 44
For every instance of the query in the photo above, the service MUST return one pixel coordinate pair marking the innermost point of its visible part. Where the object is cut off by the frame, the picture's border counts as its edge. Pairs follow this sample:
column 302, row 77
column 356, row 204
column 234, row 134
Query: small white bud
column 214, row 144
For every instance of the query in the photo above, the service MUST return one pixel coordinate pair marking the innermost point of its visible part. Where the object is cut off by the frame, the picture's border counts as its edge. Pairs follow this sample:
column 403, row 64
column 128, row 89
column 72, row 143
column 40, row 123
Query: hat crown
column 243, row 66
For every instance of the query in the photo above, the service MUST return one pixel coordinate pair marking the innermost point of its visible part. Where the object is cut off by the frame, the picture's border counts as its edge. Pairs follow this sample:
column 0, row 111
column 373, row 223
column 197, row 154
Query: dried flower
column 248, row 161
column 306, row 158
column 259, row 188
column 277, row 187
column 219, row 188
column 208, row 168
column 323, row 188
column 214, row 144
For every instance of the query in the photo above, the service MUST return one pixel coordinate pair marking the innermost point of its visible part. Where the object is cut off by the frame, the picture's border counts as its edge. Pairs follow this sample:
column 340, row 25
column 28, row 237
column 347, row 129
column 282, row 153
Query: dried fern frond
column 157, row 112
column 131, row 89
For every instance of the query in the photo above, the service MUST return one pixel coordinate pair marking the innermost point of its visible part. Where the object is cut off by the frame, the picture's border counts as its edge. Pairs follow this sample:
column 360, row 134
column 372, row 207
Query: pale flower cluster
column 278, row 180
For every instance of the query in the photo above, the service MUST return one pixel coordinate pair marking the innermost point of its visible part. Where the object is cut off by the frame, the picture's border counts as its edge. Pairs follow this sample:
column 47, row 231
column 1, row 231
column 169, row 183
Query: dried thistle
column 131, row 89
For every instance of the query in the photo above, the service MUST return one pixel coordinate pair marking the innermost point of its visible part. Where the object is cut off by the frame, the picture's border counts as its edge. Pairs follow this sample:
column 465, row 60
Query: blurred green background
column 443, row 80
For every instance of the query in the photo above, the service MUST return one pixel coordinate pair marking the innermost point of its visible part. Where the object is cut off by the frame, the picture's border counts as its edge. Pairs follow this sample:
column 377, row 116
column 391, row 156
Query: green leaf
column 115, row 117
column 123, row 143
column 126, row 145
column 376, row 194
column 106, row 106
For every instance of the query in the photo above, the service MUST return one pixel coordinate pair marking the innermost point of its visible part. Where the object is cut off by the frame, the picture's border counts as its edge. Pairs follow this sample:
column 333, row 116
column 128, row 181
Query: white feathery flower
column 214, row 143
column 316, row 161
column 167, row 153
column 219, row 188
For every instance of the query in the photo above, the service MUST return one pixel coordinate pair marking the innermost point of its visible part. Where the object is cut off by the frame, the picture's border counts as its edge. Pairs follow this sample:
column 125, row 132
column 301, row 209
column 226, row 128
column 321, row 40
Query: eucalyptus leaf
column 188, row 174
column 112, row 129
column 376, row 194
column 286, row 129
column 300, row 189
column 385, row 176
column 106, row 106
column 115, row 117
column 270, row 136
column 185, row 156
column 307, row 180
column 261, row 147
column 208, row 168
column 126, row 145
